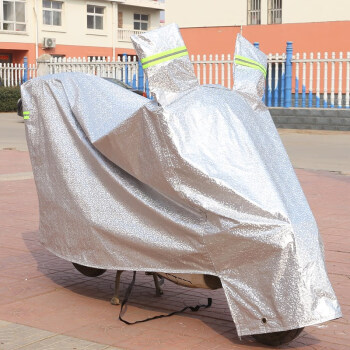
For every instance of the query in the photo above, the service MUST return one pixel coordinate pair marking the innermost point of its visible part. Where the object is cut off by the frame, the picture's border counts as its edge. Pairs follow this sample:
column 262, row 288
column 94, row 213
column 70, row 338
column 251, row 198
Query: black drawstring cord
column 126, row 298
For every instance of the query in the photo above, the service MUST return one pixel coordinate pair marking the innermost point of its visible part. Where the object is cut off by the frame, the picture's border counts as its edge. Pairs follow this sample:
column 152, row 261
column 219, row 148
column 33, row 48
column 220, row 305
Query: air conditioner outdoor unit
column 49, row 43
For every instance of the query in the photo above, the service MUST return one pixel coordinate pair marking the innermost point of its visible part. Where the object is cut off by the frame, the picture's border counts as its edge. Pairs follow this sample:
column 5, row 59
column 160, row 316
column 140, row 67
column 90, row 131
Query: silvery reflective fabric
column 249, row 71
column 199, row 185
column 163, row 52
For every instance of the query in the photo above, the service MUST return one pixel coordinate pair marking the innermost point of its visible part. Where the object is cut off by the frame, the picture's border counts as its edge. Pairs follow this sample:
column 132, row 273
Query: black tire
column 89, row 271
column 20, row 108
column 277, row 338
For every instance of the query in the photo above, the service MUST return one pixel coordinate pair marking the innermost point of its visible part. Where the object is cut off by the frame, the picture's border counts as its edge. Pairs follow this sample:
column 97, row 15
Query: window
column 274, row 12
column 95, row 17
column 12, row 15
column 254, row 11
column 58, row 56
column 97, row 58
column 140, row 22
column 120, row 19
column 52, row 13
column 5, row 58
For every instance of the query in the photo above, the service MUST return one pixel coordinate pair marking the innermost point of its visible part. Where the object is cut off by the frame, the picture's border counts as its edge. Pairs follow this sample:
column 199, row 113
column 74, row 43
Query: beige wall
column 128, row 16
column 205, row 13
column 74, row 29
column 29, row 36
column 302, row 11
column 199, row 13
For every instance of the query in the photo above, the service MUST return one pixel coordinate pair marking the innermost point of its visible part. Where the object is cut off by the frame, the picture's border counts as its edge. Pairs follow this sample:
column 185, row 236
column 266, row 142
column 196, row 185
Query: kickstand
column 115, row 299
column 157, row 283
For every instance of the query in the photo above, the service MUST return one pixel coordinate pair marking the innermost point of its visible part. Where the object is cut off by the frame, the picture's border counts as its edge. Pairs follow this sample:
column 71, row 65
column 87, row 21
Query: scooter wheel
column 89, row 271
column 277, row 338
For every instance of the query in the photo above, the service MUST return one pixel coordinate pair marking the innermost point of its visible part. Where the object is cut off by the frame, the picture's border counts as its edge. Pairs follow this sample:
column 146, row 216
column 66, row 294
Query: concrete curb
column 311, row 118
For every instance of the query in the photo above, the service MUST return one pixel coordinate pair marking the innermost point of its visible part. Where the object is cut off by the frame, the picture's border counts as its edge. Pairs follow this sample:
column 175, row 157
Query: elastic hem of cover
column 247, row 62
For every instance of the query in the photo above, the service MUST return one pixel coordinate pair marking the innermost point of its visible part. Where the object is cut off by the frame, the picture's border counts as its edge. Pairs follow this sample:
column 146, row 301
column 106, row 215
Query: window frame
column 14, row 22
column 52, row 10
column 274, row 11
column 94, row 15
column 97, row 58
column 253, row 9
column 141, row 21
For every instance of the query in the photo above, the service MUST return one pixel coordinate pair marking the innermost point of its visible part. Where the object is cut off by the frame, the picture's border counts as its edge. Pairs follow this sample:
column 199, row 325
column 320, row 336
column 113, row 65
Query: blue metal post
column 25, row 73
column 283, row 86
column 147, row 90
column 269, row 94
column 296, row 94
column 134, row 82
column 256, row 44
column 276, row 89
column 310, row 99
column 141, row 79
column 125, row 60
column 303, row 96
column 288, row 87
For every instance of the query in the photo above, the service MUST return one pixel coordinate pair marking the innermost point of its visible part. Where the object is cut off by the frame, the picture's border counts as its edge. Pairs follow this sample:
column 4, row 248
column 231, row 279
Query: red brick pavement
column 40, row 290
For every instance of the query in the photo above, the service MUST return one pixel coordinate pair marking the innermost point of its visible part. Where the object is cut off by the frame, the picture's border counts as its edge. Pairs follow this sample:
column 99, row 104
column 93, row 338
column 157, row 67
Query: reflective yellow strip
column 164, row 59
column 26, row 114
column 161, row 54
column 245, row 61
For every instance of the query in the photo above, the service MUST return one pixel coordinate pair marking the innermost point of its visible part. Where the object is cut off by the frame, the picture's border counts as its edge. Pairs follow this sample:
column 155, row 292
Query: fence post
column 125, row 61
column 147, row 90
column 288, row 88
column 140, row 73
column 256, row 44
column 25, row 72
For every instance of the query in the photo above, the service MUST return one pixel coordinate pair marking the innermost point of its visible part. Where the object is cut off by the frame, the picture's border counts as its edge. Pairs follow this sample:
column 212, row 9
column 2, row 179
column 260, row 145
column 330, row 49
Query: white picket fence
column 316, row 80
column 323, row 79
column 214, row 69
column 13, row 74
column 101, row 67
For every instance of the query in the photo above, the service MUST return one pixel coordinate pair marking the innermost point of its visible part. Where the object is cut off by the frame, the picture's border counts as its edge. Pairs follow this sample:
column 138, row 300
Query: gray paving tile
column 19, row 337
column 14, row 336
column 4, row 323
column 62, row 342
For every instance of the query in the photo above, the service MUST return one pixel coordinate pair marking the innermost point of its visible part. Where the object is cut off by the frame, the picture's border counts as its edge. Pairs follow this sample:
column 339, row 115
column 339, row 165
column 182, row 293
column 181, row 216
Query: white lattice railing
column 125, row 34
column 125, row 68
column 14, row 74
column 322, row 81
column 303, row 80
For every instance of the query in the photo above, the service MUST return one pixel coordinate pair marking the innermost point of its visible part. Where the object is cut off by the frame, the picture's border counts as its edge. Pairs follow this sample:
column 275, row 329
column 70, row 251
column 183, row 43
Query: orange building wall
column 84, row 51
column 306, row 37
column 19, row 51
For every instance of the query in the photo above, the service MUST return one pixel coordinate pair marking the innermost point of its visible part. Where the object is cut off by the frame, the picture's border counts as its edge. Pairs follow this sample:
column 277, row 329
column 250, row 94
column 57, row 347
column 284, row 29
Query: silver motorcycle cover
column 196, row 181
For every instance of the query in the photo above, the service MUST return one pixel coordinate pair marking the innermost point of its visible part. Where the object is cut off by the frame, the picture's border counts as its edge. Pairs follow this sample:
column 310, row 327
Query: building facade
column 73, row 28
column 312, row 25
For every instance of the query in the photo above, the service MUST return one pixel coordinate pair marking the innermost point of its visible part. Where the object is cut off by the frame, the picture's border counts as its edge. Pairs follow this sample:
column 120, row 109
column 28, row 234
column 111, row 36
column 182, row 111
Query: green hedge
column 8, row 98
